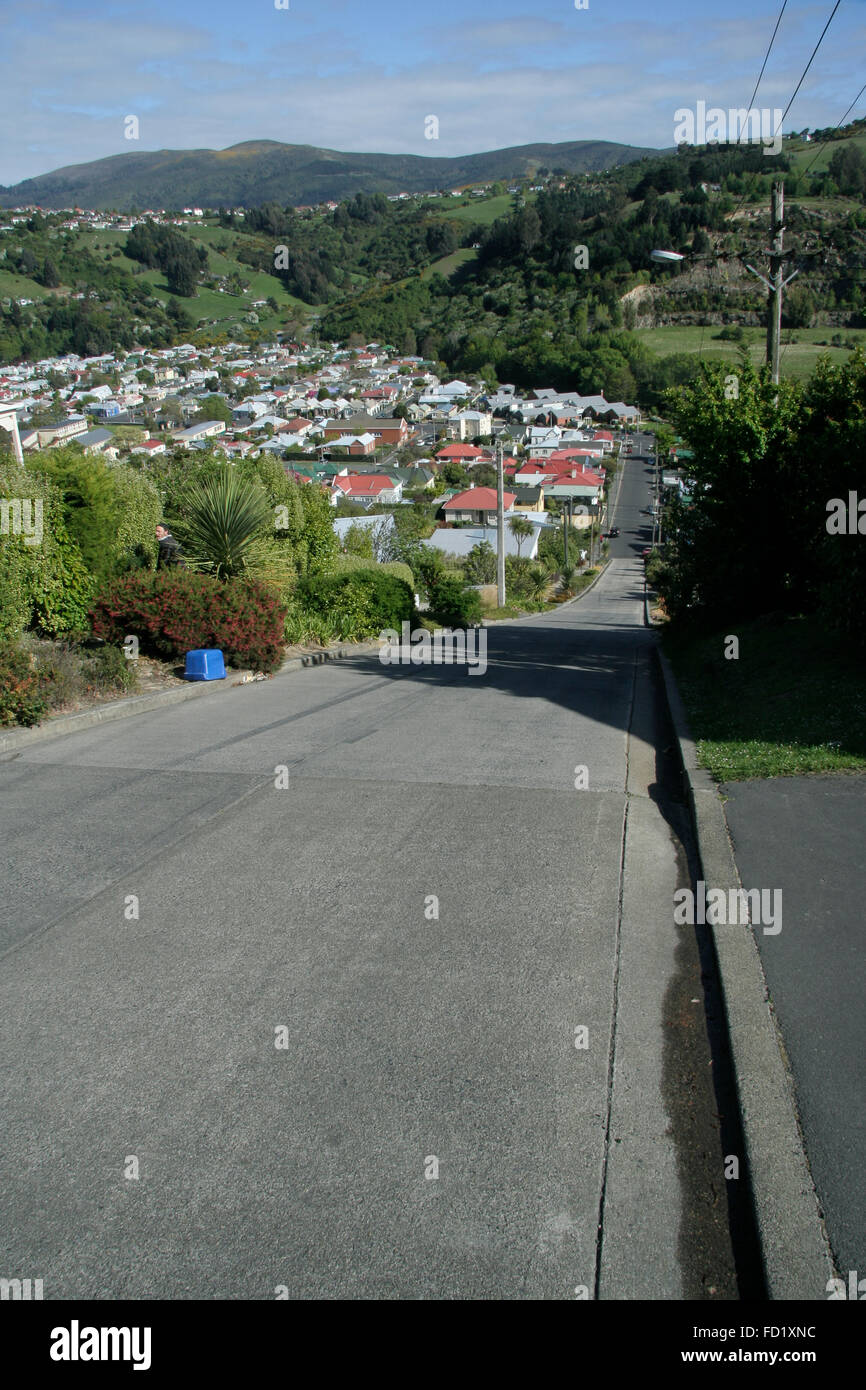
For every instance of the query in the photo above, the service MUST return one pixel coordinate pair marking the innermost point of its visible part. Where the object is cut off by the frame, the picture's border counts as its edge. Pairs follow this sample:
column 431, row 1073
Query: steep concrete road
column 416, row 1025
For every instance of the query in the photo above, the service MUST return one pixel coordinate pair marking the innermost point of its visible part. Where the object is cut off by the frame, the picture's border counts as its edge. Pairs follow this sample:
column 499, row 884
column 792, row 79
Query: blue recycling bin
column 206, row 664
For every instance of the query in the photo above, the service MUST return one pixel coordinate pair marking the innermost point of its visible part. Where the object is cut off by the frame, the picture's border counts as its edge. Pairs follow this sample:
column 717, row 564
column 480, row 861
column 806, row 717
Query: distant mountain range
column 262, row 171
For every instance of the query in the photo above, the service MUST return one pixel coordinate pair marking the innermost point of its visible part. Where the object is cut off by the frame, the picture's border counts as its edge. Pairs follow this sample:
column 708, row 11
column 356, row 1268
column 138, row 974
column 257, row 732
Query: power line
column 809, row 64
column 836, row 127
column 752, row 102
column 766, row 57
column 796, row 90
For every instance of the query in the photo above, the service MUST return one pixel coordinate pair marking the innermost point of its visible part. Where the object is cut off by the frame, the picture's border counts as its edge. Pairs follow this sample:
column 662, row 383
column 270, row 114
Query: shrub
column 429, row 568
column 362, row 602
column 134, row 545
column 346, row 564
column 358, row 541
column 67, row 672
column 452, row 604
column 22, row 700
column 518, row 579
column 400, row 571
column 480, row 566
column 108, row 668
column 59, row 667
column 567, row 577
column 173, row 612
column 45, row 585
column 225, row 515
column 93, row 508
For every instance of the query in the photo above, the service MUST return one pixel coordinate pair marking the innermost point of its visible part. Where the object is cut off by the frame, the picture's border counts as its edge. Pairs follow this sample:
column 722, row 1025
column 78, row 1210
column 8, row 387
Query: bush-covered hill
column 259, row 171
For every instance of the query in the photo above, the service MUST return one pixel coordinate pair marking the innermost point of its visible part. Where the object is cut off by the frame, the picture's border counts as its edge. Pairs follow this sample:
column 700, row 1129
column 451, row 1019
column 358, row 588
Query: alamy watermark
column 19, row 516
column 77, row 1343
column 729, row 907
column 443, row 647
column 718, row 127
column 855, row 1292
column 846, row 518
column 21, row 1290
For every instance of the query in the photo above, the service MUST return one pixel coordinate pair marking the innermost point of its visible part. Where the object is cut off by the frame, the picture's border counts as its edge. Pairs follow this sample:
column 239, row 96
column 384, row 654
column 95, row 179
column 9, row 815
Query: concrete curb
column 16, row 739
column 796, row 1252
column 504, row 622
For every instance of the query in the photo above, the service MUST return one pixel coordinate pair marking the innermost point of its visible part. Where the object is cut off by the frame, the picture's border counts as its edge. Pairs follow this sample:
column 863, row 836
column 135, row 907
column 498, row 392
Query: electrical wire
column 838, row 126
column 808, row 65
column 748, row 192
column 766, row 57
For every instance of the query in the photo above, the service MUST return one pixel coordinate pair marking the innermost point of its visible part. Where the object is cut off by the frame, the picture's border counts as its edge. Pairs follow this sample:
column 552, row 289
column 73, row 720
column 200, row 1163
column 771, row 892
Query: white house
column 9, row 423
column 206, row 430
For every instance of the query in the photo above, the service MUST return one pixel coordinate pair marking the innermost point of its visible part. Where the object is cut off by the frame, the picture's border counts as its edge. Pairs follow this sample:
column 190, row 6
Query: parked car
column 614, row 531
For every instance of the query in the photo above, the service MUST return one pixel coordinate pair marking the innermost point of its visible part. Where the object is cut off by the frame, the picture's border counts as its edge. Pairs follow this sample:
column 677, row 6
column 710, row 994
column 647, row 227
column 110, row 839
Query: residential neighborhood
column 327, row 414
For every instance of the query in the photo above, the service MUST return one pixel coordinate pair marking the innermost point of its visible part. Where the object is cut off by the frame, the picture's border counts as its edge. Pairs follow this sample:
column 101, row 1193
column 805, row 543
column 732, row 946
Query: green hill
column 260, row 171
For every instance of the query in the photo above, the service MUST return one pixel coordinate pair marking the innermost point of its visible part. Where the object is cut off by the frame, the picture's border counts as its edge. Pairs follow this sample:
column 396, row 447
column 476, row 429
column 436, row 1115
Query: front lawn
column 793, row 702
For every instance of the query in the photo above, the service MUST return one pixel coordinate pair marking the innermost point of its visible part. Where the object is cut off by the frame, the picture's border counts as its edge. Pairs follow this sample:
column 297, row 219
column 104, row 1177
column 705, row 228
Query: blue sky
column 356, row 76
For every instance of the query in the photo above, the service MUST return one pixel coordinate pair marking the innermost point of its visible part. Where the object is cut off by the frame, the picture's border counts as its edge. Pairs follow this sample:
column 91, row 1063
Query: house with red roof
column 378, row 394
column 149, row 447
column 460, row 453
column 299, row 427
column 477, row 504
column 366, row 487
column 605, row 438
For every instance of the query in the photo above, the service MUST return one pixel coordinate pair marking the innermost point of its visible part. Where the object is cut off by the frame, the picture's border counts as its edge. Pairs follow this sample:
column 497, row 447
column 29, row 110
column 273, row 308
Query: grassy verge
column 520, row 608
column 793, row 702
column 514, row 610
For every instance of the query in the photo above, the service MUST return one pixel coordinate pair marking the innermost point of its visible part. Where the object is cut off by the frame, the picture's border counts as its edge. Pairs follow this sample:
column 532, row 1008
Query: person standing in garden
column 169, row 550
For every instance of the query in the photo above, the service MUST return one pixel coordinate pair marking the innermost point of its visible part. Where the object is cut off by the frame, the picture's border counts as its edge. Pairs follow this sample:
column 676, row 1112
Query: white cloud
column 64, row 94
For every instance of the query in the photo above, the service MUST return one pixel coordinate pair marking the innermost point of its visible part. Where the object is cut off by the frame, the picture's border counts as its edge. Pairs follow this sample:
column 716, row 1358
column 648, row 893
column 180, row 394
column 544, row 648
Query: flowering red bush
column 176, row 611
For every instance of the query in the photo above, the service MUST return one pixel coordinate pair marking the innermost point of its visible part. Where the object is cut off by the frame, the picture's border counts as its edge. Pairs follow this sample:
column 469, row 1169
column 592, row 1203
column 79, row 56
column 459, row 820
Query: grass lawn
column 798, row 359
column 14, row 286
column 804, row 155
column 448, row 264
column 481, row 210
column 794, row 701
column 128, row 434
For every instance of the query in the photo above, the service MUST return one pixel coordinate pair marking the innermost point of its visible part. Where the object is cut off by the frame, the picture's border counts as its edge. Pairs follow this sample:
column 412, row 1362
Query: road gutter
column 794, row 1245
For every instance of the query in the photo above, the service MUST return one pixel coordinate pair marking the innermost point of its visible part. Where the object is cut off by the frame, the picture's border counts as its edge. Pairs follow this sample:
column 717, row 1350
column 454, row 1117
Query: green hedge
column 361, row 602
column 349, row 564
column 452, row 604
column 44, row 585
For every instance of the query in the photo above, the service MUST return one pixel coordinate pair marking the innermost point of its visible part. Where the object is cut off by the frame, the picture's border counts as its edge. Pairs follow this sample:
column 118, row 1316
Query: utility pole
column 776, row 283
column 500, row 532
column 565, row 519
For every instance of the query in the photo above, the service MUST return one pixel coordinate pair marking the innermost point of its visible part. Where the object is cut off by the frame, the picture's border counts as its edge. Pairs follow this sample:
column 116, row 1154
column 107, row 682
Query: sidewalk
column 805, row 836
column 794, row 1241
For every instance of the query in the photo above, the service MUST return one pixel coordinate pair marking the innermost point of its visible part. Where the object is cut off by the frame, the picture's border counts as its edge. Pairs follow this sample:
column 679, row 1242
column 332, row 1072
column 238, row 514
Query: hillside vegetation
column 555, row 287
column 258, row 171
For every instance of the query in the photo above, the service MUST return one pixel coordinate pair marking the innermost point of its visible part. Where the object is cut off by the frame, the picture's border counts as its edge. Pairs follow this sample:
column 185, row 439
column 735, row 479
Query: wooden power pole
column 775, row 284
column 500, row 532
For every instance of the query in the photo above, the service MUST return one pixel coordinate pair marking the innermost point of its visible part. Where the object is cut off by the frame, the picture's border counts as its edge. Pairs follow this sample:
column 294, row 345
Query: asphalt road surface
column 417, row 1024
column 805, row 836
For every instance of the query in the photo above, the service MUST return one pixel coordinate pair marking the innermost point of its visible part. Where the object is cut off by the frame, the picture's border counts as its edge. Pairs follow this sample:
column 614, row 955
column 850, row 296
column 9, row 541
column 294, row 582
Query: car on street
column 614, row 531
